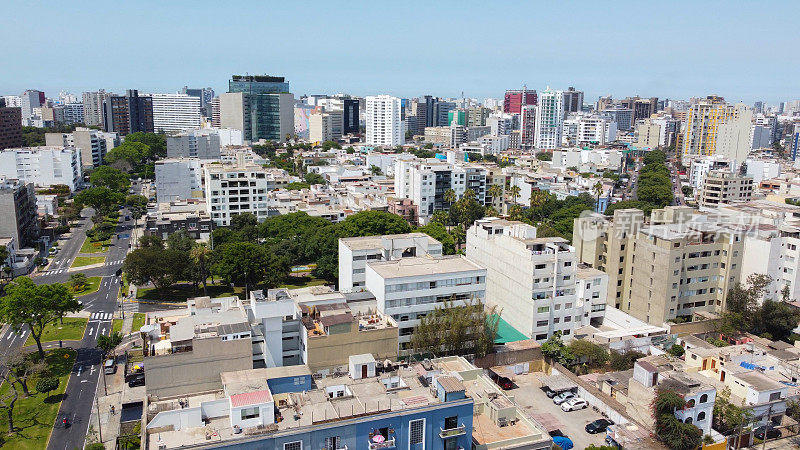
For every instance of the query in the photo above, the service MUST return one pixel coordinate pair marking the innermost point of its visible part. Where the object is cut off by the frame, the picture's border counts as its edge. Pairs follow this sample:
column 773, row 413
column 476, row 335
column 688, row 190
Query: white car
column 573, row 404
column 562, row 397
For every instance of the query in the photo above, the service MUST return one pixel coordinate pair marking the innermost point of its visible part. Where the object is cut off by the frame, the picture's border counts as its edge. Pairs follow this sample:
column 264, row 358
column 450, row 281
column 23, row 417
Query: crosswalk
column 130, row 307
column 101, row 316
column 54, row 271
column 115, row 262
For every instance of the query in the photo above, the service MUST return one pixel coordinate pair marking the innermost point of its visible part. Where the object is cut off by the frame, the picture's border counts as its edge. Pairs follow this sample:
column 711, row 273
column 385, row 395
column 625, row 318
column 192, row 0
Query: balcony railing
column 389, row 443
column 452, row 432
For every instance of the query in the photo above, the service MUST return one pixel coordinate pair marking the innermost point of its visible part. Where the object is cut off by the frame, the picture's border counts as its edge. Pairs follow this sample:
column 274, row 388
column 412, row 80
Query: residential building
column 18, row 199
column 715, row 127
column 549, row 119
column 237, row 188
column 355, row 252
column 320, row 127
column 515, row 99
column 10, row 126
column 700, row 166
column 761, row 169
column 93, row 144
column 129, row 113
column 201, row 144
column 533, row 281
column 426, row 181
column 621, row 115
column 43, row 166
column 407, row 289
column 384, row 125
column 93, row 108
column 178, row 179
column 259, row 105
column 527, row 130
column 63, row 114
column 164, row 223
column 648, row 134
column 722, row 186
column 476, row 116
column 30, row 101
column 175, row 112
column 794, row 142
column 585, row 129
column 457, row 117
column 404, row 208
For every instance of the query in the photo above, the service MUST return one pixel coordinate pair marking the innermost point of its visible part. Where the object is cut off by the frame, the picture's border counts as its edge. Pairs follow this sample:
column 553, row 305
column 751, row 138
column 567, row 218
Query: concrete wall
column 328, row 352
column 198, row 370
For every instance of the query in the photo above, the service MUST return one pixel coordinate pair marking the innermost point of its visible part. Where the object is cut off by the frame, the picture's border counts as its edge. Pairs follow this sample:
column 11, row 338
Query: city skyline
column 420, row 54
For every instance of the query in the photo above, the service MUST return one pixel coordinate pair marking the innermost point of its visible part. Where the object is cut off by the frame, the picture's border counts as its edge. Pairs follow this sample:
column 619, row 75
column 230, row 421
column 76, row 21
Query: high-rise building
column 527, row 127
column 441, row 111
column 457, row 117
column 202, row 144
column 20, row 219
column 129, row 113
column 31, row 99
column 515, row 99
column 723, row 187
column 10, row 126
column 794, row 141
column 426, row 182
column 573, row 100
column 204, row 94
column 233, row 189
column 178, row 179
column 175, row 112
column 259, row 105
column 43, row 166
column 715, row 127
column 621, row 115
column 476, row 116
column 319, row 127
column 384, row 126
column 549, row 119
column 351, row 120
column 93, row 144
column 642, row 108
column 93, row 108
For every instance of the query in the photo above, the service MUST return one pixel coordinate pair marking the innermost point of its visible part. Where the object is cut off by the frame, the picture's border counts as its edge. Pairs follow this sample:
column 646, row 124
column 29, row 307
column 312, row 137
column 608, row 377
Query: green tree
column 624, row 360
column 156, row 143
column 315, row 178
column 375, row 170
column 108, row 343
column 495, row 191
column 588, row 353
column 544, row 156
column 514, row 191
column 246, row 263
column 159, row 266
column 101, row 198
column 372, row 223
column 555, row 349
column 24, row 366
column 78, row 281
column 36, row 306
column 180, row 241
column 669, row 430
column 437, row 231
column 201, row 257
column 47, row 384
column 127, row 156
column 676, row 350
column 450, row 196
column 456, row 329
column 106, row 176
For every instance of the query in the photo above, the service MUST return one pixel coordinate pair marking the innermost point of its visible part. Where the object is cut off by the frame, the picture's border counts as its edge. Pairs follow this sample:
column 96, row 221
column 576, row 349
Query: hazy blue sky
column 745, row 51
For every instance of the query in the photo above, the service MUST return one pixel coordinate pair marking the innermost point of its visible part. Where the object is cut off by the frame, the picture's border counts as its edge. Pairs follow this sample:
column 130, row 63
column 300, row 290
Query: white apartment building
column 320, row 127
column 760, row 169
column 583, row 129
column 410, row 288
column 43, row 166
column 202, row 144
column 178, row 179
column 175, row 112
column 276, row 328
column 549, row 119
column 384, row 126
column 93, row 108
column 355, row 252
column 93, row 144
column 534, row 281
column 426, row 181
column 701, row 165
column 493, row 145
column 234, row 189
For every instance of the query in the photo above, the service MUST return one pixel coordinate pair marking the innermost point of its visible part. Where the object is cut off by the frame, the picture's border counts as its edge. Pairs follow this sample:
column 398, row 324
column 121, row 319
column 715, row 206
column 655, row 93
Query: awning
column 557, row 383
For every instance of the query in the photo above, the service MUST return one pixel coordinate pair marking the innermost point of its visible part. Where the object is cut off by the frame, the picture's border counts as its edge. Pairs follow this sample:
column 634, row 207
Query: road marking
column 91, row 330
column 10, row 333
column 103, row 332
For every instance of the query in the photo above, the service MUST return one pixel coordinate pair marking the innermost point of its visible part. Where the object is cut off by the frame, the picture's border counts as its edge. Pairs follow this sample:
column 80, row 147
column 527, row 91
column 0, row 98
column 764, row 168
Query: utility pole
column 99, row 427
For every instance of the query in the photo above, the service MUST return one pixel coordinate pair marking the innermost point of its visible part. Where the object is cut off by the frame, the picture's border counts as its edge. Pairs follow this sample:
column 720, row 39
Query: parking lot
column 533, row 400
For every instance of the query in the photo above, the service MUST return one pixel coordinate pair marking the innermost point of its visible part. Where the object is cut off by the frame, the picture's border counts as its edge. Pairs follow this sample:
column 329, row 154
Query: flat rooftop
column 419, row 266
column 376, row 242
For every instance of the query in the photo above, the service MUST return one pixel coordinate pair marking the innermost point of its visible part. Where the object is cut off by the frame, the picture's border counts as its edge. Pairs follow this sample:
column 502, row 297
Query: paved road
column 85, row 379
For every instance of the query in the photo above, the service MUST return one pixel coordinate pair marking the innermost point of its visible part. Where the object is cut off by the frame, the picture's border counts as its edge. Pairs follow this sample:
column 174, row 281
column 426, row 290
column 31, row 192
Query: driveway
column 534, row 401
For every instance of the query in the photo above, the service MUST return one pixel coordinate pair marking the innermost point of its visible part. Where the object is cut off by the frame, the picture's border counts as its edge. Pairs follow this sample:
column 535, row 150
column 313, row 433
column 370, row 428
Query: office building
column 259, row 105
column 715, row 127
column 549, row 120
column 533, row 281
column 93, row 108
column 723, row 187
column 202, row 144
column 621, row 115
column 231, row 189
column 30, row 101
column 457, row 117
column 515, row 99
column 527, row 130
column 794, row 142
column 10, row 126
column 476, row 116
column 573, row 100
column 129, row 113
column 93, row 144
column 206, row 95
column 384, row 125
column 355, row 252
column 43, row 166
column 441, row 111
column 175, row 112
column 407, row 289
column 20, row 221
column 642, row 108
column 178, row 179
column 351, row 122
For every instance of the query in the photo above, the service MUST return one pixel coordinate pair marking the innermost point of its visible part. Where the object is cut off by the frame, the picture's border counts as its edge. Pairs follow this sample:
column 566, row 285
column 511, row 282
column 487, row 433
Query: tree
column 101, row 198
column 495, row 191
column 127, row 156
column 676, row 350
column 588, row 353
column 624, row 360
column 598, row 190
column 8, row 399
column 159, row 266
column 727, row 416
column 315, row 178
column 201, row 255
column 106, row 176
column 450, row 196
column 24, row 366
column 108, row 343
column 544, row 156
column 437, row 231
column 456, row 330
column 180, row 241
column 47, row 384
column 36, row 306
column 375, row 170
column 514, row 191
column 555, row 349
column 78, row 281
column 246, row 263
column 669, row 430
column 156, row 143
column 372, row 223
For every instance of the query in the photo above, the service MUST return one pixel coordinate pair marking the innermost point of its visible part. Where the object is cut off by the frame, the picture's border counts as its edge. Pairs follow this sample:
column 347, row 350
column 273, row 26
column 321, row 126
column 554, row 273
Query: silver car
column 562, row 397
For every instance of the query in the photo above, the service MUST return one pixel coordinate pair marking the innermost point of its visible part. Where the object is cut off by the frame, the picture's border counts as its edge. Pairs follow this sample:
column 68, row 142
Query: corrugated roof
column 251, row 398
column 450, row 384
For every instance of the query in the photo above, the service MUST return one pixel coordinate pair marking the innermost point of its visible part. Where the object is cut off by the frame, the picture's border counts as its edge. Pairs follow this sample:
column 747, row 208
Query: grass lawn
column 71, row 330
column 138, row 321
column 94, row 247
column 35, row 416
column 81, row 261
column 180, row 292
column 116, row 325
column 91, row 287
column 301, row 282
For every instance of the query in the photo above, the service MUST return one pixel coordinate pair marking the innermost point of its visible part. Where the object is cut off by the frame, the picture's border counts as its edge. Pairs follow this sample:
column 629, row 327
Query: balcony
column 452, row 432
column 389, row 443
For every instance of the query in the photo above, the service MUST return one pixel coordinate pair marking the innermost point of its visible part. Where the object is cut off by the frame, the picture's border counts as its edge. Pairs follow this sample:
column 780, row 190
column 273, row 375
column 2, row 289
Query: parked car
column 562, row 397
column 768, row 430
column 598, row 426
column 549, row 393
column 53, row 251
column 110, row 366
column 574, row 403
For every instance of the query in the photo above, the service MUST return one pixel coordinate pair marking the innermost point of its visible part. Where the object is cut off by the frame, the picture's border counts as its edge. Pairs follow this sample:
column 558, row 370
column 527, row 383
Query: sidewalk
column 116, row 393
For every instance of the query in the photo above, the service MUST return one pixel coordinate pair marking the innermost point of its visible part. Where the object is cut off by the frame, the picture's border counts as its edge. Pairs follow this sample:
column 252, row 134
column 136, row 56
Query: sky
column 744, row 51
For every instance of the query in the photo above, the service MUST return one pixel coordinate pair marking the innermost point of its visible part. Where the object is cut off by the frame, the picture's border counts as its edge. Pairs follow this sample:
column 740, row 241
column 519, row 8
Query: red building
column 514, row 99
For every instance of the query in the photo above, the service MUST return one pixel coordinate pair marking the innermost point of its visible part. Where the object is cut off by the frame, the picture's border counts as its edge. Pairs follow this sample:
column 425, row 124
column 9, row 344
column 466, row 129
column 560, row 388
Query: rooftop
column 420, row 266
column 376, row 242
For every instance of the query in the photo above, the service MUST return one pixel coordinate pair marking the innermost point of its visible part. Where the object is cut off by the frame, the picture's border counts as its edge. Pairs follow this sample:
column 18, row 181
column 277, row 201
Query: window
column 701, row 416
column 543, row 309
column 296, row 445
column 332, row 442
column 416, row 432
column 250, row 413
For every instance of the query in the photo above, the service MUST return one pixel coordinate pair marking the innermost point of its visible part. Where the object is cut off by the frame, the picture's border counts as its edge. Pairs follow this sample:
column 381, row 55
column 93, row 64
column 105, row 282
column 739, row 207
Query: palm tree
column 514, row 191
column 598, row 190
column 450, row 196
column 496, row 192
column 200, row 255
column 469, row 194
